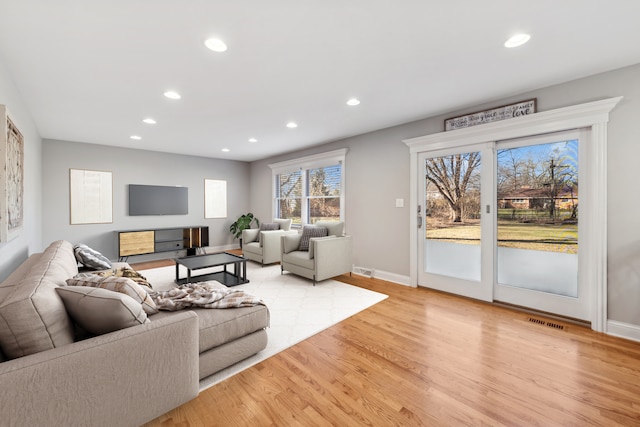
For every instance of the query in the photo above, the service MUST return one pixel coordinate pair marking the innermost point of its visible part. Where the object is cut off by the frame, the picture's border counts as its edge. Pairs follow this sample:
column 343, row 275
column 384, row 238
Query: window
column 310, row 189
column 289, row 196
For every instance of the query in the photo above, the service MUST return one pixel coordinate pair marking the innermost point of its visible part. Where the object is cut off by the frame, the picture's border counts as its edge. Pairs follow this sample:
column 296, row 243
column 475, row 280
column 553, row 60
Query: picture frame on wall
column 11, row 177
column 215, row 198
column 91, row 196
column 504, row 112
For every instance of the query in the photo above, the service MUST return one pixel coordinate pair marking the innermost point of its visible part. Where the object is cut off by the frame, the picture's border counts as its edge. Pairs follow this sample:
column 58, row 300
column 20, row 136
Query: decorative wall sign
column 522, row 108
column 11, row 177
column 215, row 198
column 91, row 194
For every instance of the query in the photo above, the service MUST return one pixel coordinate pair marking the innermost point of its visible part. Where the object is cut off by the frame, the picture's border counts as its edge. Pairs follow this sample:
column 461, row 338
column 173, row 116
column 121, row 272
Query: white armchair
column 326, row 257
column 262, row 244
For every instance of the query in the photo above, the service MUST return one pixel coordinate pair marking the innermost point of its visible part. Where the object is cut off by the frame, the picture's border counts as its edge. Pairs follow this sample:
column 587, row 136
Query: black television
column 158, row 200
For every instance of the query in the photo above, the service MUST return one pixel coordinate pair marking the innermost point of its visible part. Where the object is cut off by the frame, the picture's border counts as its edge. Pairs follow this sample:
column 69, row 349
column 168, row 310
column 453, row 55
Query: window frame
column 305, row 164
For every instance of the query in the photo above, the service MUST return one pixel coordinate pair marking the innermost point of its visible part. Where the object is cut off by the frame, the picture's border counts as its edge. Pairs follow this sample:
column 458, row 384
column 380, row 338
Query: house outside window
column 310, row 189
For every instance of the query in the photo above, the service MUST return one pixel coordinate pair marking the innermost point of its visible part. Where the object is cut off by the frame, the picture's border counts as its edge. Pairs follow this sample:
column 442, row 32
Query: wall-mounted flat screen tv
column 158, row 200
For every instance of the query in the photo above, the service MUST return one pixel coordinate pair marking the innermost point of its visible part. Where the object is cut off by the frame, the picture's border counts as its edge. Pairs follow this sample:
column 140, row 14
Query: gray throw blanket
column 209, row 294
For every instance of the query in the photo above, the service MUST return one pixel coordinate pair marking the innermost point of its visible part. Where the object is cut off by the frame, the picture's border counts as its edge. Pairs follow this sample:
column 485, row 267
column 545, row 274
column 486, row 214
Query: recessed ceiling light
column 253, row 140
column 149, row 121
column 136, row 137
column 517, row 40
column 225, row 150
column 292, row 125
column 172, row 95
column 353, row 101
column 215, row 45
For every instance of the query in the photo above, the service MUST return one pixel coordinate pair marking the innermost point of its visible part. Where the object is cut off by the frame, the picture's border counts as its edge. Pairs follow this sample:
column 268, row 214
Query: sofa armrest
column 290, row 242
column 250, row 235
column 270, row 238
column 126, row 377
column 271, row 242
column 332, row 256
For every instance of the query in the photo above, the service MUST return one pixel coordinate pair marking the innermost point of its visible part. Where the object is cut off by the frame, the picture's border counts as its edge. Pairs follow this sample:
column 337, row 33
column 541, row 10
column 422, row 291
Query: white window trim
column 320, row 160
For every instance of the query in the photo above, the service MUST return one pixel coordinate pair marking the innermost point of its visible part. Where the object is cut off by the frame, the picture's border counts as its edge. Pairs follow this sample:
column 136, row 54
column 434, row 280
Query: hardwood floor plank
column 422, row 357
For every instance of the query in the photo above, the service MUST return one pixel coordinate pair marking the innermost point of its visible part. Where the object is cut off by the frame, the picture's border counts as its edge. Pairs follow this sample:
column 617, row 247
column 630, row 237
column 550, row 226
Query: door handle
column 419, row 221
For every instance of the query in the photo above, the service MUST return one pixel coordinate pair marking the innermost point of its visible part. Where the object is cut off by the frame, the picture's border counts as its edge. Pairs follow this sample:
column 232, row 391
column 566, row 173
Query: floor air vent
column 363, row 271
column 545, row 323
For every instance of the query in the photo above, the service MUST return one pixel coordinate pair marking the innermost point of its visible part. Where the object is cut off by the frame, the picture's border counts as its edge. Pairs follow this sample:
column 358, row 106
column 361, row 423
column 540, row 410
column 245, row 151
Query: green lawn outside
column 542, row 237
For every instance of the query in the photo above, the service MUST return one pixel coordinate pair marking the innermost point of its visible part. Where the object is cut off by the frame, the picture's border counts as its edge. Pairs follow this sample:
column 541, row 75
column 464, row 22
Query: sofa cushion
column 299, row 258
column 219, row 326
column 100, row 311
column 123, row 285
column 309, row 231
column 252, row 247
column 32, row 315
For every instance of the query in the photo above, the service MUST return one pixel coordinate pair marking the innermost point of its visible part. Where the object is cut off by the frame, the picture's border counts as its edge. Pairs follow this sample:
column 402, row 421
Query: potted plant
column 242, row 223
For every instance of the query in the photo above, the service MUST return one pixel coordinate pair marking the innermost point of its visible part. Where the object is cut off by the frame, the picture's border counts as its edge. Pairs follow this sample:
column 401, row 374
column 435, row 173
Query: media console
column 150, row 241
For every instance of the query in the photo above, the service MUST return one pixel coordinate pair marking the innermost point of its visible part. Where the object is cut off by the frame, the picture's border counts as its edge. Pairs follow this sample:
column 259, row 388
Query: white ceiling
column 90, row 71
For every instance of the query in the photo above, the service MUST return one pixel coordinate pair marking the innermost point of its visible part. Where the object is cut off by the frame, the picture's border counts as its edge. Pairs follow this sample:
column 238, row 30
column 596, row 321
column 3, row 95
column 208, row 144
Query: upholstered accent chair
column 320, row 252
column 263, row 244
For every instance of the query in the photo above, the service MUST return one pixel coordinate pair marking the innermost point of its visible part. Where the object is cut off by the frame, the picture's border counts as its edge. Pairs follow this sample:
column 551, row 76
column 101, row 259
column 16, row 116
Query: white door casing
column 594, row 117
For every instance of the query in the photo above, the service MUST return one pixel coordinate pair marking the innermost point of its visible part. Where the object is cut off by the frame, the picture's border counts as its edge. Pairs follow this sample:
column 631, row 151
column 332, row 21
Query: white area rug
column 298, row 309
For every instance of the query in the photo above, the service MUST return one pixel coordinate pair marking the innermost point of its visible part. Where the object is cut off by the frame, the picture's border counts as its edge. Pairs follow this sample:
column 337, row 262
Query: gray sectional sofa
column 48, row 376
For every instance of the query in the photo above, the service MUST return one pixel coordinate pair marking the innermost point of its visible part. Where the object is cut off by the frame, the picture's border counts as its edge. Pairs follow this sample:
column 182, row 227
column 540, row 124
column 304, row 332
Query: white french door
column 455, row 235
column 499, row 222
column 542, row 206
column 592, row 256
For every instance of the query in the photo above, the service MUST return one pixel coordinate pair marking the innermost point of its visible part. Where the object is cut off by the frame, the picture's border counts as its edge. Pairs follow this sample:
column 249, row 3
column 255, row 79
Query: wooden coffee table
column 199, row 262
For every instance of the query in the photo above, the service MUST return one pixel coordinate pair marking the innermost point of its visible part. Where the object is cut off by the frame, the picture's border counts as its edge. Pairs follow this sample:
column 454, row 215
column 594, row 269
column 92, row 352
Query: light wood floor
column 422, row 357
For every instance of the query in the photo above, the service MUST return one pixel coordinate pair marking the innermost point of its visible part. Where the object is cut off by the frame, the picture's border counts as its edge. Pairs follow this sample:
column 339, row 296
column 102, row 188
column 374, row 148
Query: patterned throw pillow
column 100, row 311
column 309, row 231
column 125, row 272
column 267, row 227
column 124, row 285
column 90, row 258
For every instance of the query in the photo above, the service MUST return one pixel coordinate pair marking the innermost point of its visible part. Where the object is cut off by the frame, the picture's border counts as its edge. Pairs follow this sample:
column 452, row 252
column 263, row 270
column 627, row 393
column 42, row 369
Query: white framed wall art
column 11, row 177
column 91, row 196
column 215, row 198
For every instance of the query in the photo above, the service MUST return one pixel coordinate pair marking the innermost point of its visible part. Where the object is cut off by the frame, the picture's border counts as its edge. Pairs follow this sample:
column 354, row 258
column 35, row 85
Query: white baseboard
column 392, row 277
column 623, row 330
column 382, row 275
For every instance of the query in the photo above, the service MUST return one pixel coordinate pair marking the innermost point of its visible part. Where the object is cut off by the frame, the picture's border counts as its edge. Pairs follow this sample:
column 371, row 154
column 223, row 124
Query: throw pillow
column 123, row 285
column 100, row 311
column 125, row 272
column 90, row 258
column 309, row 231
column 267, row 227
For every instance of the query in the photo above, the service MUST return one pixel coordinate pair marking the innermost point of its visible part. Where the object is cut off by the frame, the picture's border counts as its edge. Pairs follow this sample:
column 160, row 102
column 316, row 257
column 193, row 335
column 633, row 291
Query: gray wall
column 377, row 172
column 30, row 238
column 130, row 166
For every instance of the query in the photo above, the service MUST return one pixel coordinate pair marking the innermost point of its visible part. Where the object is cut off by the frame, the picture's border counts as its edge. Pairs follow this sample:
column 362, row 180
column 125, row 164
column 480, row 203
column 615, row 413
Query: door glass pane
column 538, row 217
column 452, row 231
